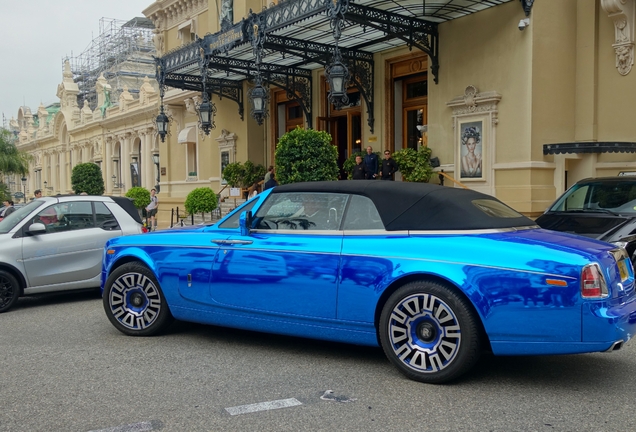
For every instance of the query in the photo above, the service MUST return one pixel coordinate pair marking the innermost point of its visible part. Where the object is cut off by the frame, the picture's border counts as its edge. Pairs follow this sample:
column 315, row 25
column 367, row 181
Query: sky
column 35, row 37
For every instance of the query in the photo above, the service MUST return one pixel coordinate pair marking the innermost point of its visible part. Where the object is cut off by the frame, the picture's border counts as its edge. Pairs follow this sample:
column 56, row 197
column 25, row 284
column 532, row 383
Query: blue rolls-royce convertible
column 434, row 275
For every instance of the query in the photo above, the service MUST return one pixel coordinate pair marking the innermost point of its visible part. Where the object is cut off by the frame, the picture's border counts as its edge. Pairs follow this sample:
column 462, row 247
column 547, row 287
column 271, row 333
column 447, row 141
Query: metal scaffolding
column 123, row 53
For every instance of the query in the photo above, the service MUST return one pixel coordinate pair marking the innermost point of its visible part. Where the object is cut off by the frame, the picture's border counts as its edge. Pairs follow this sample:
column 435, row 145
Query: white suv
column 56, row 243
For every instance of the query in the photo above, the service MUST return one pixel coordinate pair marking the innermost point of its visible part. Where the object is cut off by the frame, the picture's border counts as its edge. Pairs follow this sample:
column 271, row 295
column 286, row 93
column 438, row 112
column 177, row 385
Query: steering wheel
column 267, row 224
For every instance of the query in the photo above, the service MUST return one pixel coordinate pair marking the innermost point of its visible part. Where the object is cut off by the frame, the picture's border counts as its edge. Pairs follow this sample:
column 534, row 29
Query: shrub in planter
column 415, row 166
column 252, row 173
column 140, row 196
column 233, row 174
column 306, row 155
column 200, row 200
column 87, row 177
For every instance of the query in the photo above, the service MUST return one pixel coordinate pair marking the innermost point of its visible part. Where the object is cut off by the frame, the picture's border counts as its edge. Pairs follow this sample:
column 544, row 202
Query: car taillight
column 592, row 282
column 144, row 229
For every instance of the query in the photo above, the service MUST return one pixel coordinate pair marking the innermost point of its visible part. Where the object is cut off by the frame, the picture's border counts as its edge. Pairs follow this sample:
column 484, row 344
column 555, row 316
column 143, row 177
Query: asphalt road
column 66, row 368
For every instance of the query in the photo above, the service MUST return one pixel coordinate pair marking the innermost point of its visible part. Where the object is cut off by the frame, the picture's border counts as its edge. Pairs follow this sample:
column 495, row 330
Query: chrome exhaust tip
column 615, row 346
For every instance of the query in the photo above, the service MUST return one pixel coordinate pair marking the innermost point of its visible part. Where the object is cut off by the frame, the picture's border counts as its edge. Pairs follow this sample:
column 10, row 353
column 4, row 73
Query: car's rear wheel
column 134, row 302
column 9, row 291
column 429, row 332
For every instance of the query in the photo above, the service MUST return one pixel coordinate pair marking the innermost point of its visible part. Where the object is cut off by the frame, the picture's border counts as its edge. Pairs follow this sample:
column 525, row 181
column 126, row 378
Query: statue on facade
column 226, row 17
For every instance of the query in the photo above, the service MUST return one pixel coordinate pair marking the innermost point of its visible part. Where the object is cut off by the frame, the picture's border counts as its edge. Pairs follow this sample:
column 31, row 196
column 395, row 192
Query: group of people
column 268, row 182
column 370, row 168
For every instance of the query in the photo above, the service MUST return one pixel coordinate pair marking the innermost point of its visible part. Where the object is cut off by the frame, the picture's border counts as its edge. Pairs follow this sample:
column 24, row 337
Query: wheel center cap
column 427, row 332
column 136, row 300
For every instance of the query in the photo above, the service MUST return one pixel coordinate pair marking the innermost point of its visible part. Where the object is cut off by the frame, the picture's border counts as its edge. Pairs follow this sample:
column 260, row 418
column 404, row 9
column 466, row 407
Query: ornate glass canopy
column 282, row 44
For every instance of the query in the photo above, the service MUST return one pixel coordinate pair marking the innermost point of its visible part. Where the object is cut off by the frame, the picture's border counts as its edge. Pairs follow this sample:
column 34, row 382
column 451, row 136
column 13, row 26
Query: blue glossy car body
column 524, row 284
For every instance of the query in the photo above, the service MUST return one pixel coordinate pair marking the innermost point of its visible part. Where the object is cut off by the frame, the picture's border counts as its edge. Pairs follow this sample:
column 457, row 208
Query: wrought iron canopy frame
column 229, row 50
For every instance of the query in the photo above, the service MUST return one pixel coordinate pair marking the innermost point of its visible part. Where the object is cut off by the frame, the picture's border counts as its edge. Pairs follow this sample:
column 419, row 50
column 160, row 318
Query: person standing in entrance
column 360, row 170
column 152, row 208
column 268, row 174
column 372, row 163
column 389, row 167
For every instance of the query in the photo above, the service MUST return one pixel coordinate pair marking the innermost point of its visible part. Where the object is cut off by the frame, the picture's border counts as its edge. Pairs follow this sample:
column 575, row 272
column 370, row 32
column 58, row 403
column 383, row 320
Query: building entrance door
column 345, row 128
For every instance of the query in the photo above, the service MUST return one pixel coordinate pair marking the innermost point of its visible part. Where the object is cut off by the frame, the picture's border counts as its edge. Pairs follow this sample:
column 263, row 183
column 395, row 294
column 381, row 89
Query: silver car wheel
column 425, row 333
column 134, row 301
column 430, row 331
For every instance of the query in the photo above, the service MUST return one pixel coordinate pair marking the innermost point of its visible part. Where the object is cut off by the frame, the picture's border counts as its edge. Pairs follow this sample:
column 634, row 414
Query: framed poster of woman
column 471, row 137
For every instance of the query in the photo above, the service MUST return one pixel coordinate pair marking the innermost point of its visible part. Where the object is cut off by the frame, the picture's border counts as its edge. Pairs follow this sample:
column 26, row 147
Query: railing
column 178, row 217
column 443, row 175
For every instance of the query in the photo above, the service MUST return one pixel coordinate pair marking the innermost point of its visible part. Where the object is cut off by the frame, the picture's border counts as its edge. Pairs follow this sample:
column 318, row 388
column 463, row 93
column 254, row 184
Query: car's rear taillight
column 592, row 282
column 144, row 229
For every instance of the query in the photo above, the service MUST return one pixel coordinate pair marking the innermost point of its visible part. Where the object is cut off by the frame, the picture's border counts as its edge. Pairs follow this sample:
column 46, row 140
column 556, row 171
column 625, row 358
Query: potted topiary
column 415, row 166
column 233, row 174
column 140, row 197
column 87, row 177
column 200, row 200
column 306, row 155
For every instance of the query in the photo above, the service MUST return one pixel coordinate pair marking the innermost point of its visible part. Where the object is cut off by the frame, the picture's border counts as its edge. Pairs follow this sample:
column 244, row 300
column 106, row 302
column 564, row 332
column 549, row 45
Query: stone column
column 107, row 165
column 149, row 166
column 126, row 148
column 63, row 171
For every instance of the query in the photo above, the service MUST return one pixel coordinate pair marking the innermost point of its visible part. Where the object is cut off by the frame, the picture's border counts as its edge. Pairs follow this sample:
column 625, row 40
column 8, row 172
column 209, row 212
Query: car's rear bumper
column 609, row 321
column 606, row 326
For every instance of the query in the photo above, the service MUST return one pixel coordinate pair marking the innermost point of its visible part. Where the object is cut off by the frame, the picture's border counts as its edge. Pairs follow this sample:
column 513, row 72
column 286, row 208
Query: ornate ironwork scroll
column 527, row 6
column 415, row 32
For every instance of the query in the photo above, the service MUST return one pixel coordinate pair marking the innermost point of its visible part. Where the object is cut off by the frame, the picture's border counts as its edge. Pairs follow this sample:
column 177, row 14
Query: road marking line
column 135, row 427
column 263, row 406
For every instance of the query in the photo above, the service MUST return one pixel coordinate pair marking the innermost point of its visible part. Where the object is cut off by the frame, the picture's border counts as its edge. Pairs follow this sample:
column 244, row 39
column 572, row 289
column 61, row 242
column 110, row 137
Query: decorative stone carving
column 469, row 97
column 622, row 12
column 87, row 114
column 125, row 98
column 190, row 106
column 176, row 12
column 146, row 91
column 474, row 102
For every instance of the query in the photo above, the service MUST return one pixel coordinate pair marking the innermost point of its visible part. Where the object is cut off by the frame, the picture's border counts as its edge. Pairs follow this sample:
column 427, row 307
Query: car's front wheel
column 9, row 291
column 134, row 302
column 429, row 332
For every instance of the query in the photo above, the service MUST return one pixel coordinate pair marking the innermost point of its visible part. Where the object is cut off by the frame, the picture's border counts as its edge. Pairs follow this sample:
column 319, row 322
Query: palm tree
column 12, row 160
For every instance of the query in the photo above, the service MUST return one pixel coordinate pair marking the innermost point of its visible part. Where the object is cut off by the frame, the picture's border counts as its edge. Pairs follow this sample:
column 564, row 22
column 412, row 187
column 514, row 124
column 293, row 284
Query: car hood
column 596, row 225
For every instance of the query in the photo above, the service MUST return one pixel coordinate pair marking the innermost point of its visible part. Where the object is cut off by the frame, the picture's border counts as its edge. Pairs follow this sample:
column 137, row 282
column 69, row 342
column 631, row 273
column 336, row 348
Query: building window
column 187, row 32
column 191, row 160
column 411, row 111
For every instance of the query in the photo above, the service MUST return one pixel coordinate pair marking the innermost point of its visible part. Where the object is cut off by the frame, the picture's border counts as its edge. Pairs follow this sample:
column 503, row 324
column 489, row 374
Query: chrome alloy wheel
column 134, row 301
column 424, row 333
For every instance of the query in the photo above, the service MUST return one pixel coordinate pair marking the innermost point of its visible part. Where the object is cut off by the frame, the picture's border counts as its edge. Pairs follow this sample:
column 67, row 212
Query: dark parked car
column 434, row 275
column 602, row 208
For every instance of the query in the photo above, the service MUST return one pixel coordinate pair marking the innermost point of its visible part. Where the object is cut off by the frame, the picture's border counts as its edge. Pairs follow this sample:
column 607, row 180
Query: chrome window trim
column 312, row 232
column 476, row 231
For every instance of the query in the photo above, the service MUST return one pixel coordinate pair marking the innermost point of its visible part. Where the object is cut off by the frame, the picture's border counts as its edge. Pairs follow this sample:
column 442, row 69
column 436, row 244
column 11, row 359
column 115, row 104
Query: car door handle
column 232, row 242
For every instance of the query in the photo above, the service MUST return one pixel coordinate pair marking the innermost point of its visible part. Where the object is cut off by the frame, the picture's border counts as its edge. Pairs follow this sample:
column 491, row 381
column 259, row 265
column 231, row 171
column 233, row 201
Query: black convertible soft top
column 421, row 206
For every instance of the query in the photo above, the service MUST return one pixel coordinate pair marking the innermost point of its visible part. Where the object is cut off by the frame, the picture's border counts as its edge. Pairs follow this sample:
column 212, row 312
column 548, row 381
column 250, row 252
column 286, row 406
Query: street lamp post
column 24, row 180
column 155, row 159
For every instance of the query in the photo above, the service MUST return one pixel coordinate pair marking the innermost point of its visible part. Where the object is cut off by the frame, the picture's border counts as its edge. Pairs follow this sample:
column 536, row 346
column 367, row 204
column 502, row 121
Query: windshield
column 8, row 223
column 611, row 197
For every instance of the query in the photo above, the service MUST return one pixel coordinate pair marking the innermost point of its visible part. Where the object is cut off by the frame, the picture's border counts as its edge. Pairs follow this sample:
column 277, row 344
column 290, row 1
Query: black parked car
column 603, row 208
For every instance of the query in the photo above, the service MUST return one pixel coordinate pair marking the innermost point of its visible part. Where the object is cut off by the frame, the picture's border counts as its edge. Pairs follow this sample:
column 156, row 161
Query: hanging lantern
column 162, row 125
